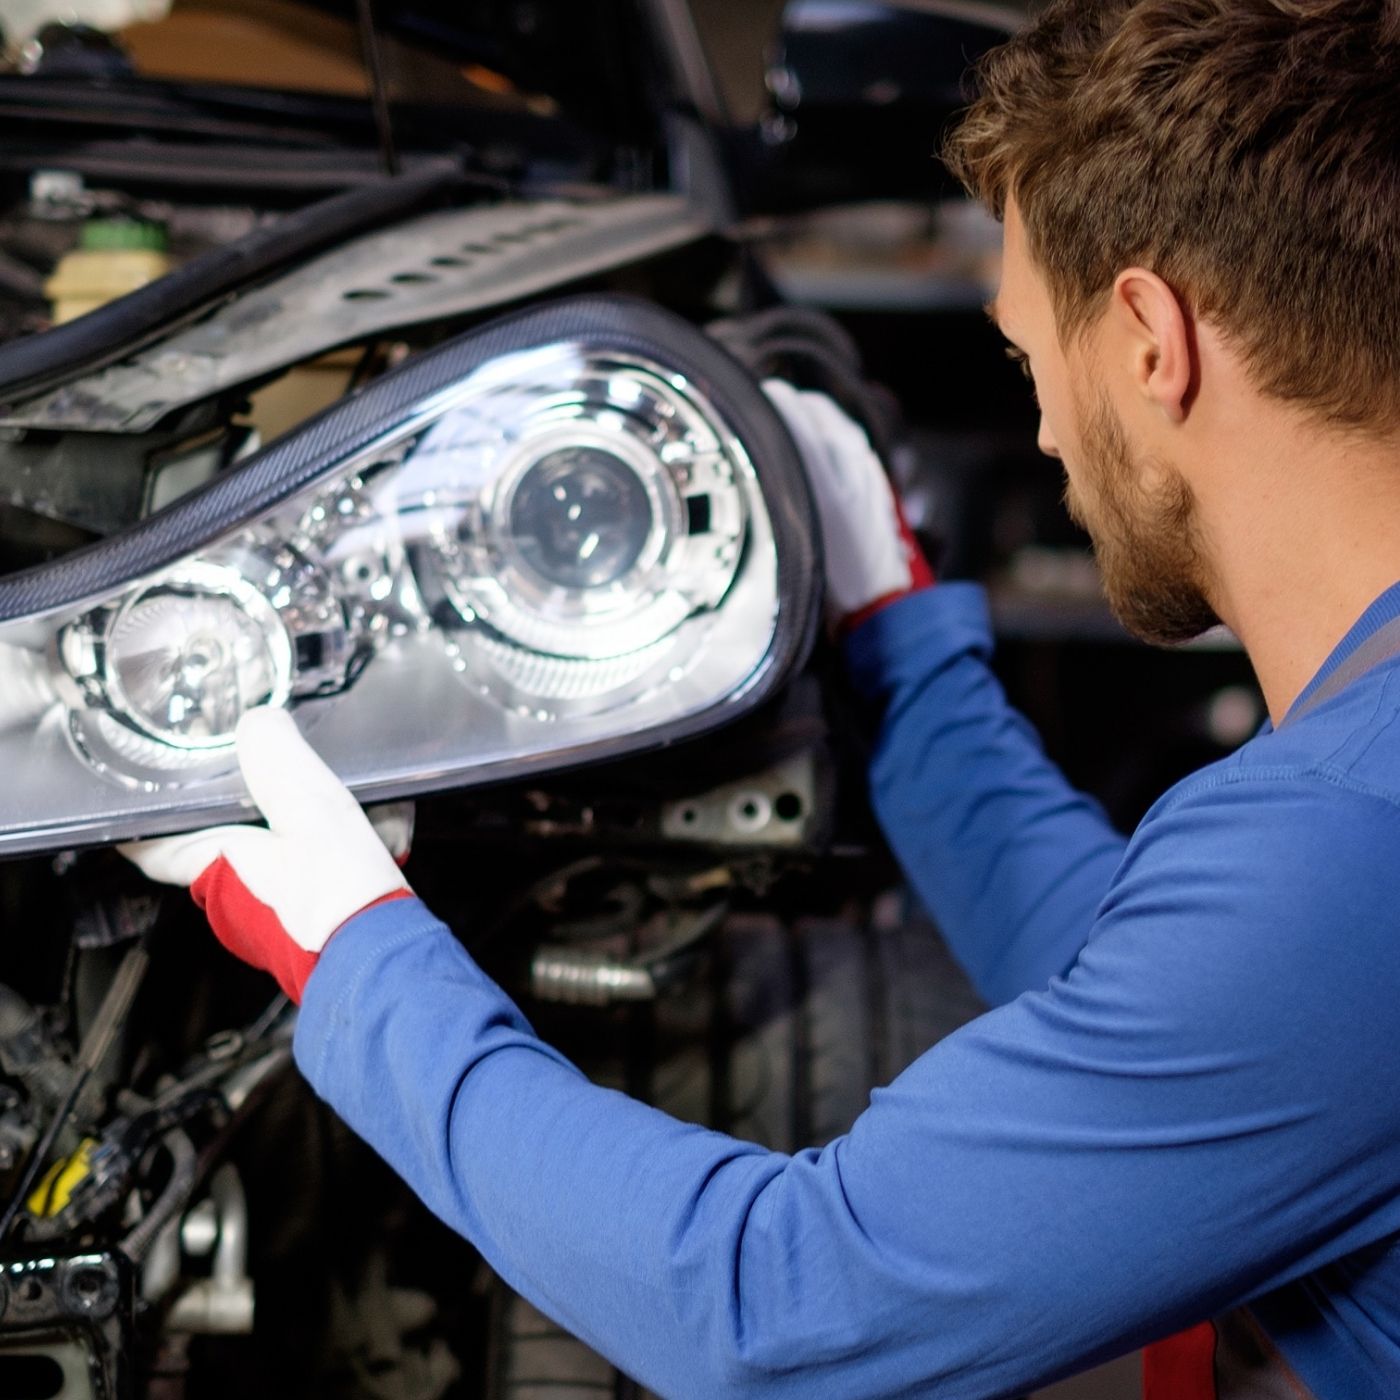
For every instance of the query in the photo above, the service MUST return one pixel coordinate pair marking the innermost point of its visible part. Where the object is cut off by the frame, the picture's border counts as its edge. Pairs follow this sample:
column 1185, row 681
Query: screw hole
column 788, row 806
column 364, row 294
column 412, row 279
column 750, row 812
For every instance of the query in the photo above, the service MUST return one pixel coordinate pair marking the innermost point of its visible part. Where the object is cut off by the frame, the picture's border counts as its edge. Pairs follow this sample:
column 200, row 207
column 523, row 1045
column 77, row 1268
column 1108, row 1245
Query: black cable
column 184, row 1171
column 790, row 321
column 379, row 92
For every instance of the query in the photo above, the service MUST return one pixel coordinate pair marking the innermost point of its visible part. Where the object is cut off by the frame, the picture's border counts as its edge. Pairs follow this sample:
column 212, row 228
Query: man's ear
column 1156, row 332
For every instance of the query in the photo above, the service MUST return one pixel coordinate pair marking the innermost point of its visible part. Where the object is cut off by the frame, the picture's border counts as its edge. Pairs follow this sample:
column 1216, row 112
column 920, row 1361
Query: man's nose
column 1045, row 440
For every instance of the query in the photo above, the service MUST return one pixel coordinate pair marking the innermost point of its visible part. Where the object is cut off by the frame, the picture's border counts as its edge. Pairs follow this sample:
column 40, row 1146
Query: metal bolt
column 91, row 1287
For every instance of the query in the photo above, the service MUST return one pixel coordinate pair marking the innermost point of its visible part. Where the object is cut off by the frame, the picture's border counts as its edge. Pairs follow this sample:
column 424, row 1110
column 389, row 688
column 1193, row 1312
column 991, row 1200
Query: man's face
column 1138, row 510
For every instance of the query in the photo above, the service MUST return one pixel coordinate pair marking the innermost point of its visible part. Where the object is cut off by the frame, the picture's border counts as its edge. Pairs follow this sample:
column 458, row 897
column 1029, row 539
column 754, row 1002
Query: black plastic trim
column 38, row 362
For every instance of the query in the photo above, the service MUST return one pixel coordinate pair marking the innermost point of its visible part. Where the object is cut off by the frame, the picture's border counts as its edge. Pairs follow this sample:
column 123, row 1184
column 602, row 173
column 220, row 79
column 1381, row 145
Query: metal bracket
column 223, row 1302
column 777, row 807
column 215, row 1229
column 52, row 1305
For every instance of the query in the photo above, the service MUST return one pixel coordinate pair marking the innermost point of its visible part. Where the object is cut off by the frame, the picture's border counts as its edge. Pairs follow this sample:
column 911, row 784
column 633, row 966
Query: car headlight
column 575, row 533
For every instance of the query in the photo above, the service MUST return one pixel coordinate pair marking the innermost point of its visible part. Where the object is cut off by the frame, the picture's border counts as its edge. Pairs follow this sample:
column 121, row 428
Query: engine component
column 587, row 979
column 96, row 1043
column 216, row 1228
column 32, row 366
column 590, row 976
column 438, row 265
column 183, row 1172
column 384, row 1337
column 59, row 1311
column 103, row 482
column 114, row 257
column 28, row 1052
column 218, row 1086
column 577, row 533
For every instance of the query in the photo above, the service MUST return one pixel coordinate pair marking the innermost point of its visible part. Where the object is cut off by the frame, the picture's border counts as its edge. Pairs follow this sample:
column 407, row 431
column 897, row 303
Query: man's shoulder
column 1348, row 746
column 1309, row 806
column 1285, row 861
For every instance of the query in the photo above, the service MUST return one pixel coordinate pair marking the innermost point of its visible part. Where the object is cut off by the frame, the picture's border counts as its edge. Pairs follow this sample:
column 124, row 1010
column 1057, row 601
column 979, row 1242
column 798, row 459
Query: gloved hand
column 275, row 895
column 872, row 557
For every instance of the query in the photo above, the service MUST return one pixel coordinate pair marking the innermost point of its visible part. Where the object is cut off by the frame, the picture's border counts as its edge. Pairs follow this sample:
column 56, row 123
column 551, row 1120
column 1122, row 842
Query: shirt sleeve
column 1172, row 1128
column 1009, row 859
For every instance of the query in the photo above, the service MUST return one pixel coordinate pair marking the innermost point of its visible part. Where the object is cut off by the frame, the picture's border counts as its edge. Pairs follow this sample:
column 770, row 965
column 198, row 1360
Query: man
column 1183, row 1106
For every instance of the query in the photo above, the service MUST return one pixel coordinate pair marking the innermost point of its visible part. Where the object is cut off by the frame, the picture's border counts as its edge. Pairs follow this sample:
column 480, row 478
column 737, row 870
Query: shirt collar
column 1352, row 648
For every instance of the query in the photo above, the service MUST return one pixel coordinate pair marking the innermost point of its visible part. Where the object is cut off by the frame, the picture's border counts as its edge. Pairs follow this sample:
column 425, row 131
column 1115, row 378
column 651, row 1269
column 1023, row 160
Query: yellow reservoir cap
column 91, row 277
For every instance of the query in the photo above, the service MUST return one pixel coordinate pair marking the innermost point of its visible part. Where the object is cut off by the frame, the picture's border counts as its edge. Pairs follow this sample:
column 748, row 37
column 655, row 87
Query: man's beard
column 1145, row 538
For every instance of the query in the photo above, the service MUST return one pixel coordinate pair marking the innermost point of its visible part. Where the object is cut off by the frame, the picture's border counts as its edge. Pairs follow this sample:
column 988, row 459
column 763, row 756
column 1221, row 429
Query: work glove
column 872, row 557
column 274, row 895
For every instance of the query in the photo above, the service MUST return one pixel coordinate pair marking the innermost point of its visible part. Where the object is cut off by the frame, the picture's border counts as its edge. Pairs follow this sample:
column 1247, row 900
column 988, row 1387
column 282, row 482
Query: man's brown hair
column 1247, row 151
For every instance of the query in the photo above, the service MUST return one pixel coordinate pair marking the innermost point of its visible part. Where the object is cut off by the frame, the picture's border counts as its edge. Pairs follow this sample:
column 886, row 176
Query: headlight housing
column 577, row 532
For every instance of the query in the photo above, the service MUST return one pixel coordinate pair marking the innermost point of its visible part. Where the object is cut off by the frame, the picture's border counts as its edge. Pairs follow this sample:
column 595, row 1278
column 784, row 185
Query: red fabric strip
column 1181, row 1367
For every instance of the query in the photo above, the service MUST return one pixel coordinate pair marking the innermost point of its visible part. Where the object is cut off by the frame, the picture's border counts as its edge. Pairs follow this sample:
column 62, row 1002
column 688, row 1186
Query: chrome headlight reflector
column 575, row 533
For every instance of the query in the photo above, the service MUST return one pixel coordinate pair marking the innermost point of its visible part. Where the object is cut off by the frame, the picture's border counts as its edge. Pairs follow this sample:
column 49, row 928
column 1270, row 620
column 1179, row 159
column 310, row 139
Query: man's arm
column 1170, row 1129
column 1009, row 858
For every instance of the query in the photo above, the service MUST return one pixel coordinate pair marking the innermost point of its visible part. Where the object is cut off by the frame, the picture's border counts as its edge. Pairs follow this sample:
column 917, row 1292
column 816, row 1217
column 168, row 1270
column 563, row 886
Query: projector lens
column 580, row 518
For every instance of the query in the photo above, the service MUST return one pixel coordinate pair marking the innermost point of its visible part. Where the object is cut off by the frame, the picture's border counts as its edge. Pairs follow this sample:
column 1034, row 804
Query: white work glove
column 274, row 895
column 872, row 557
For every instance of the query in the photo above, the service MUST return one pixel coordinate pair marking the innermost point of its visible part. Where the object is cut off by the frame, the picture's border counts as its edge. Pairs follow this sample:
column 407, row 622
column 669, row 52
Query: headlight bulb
column 163, row 678
column 184, row 661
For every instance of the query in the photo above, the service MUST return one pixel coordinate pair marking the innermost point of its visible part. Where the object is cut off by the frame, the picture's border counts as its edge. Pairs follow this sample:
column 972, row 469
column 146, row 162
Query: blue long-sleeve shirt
column 1184, row 1099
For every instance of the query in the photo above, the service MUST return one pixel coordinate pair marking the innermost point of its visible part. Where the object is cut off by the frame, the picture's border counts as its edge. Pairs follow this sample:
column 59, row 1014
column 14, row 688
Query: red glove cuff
column 1181, row 1367
column 251, row 930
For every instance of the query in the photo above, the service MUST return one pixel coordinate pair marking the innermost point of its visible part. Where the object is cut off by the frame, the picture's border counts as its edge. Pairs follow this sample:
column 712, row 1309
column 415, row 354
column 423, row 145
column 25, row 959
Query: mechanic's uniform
column 1186, row 1099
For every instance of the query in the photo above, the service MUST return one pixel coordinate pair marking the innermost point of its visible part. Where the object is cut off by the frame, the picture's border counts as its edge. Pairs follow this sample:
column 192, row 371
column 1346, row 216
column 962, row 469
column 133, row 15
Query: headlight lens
column 528, row 549
column 580, row 518
column 615, row 513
